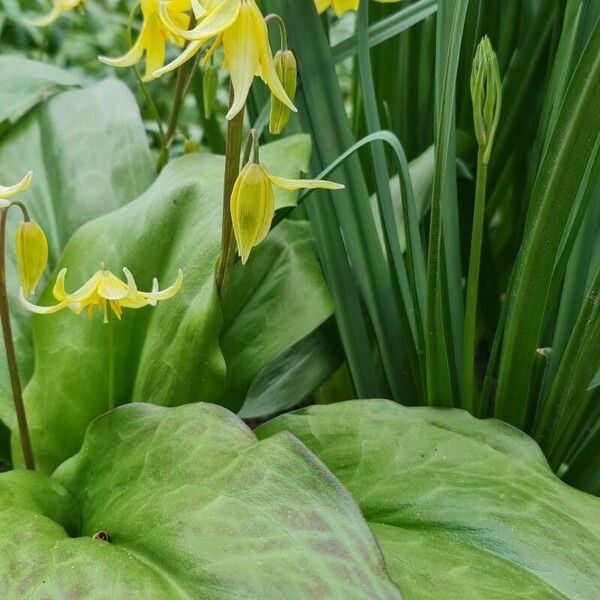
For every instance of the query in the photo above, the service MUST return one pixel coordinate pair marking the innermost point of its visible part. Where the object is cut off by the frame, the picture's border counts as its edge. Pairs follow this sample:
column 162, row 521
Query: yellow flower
column 32, row 255
column 253, row 204
column 240, row 27
column 342, row 6
column 58, row 7
column 102, row 290
column 13, row 190
column 154, row 35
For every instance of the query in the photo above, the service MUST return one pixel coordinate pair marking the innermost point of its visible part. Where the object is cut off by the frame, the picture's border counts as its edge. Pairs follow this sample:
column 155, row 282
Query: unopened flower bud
column 252, row 202
column 190, row 146
column 287, row 71
column 210, row 85
column 486, row 93
column 252, row 208
column 32, row 255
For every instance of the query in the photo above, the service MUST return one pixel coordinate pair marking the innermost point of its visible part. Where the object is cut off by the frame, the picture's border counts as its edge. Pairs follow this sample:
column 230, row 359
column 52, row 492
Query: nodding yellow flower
column 58, row 7
column 241, row 28
column 253, row 206
column 32, row 255
column 342, row 6
column 8, row 192
column 103, row 289
column 153, row 36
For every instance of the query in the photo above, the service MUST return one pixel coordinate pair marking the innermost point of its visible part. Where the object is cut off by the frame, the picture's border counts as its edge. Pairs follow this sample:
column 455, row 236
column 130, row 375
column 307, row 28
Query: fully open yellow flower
column 342, row 6
column 253, row 203
column 8, row 192
column 104, row 289
column 241, row 28
column 58, row 7
column 153, row 36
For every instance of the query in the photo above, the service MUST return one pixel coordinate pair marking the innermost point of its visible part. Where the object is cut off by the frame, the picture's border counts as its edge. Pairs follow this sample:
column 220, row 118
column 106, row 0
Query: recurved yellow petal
column 216, row 18
column 58, row 7
column 131, row 57
column 299, row 184
column 167, row 293
column 40, row 310
column 13, row 190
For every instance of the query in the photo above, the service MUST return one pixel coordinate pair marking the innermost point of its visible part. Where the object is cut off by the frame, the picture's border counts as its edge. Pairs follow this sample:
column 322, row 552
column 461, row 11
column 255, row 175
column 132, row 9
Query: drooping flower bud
column 287, row 72
column 252, row 208
column 210, row 85
column 486, row 93
column 32, row 255
column 252, row 202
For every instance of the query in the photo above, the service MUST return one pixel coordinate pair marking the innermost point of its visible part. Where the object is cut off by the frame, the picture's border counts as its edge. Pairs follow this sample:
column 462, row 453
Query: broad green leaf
column 295, row 374
column 25, row 83
column 266, row 294
column 195, row 507
column 89, row 154
column 171, row 354
column 462, row 508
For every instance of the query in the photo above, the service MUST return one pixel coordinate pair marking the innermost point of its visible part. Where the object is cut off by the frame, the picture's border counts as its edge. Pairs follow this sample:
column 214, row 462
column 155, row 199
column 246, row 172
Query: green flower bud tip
column 287, row 71
column 32, row 255
column 190, row 146
column 210, row 86
column 486, row 93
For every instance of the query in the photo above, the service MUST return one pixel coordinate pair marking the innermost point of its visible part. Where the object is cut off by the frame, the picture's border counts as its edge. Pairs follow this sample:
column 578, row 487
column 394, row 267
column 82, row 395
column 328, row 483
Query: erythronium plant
column 32, row 255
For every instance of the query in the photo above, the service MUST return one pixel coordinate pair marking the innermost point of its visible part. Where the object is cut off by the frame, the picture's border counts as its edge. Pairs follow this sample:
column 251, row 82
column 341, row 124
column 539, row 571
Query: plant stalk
column 471, row 397
column 11, row 357
column 233, row 150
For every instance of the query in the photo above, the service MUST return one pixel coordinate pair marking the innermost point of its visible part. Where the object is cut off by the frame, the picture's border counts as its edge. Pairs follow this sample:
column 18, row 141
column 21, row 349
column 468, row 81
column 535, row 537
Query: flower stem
column 11, row 357
column 233, row 150
column 111, row 365
column 471, row 401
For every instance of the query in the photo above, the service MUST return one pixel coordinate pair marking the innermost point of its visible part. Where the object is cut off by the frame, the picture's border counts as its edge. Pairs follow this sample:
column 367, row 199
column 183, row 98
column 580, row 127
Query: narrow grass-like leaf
column 404, row 278
column 584, row 469
column 558, row 180
column 569, row 400
column 387, row 28
column 441, row 351
column 325, row 118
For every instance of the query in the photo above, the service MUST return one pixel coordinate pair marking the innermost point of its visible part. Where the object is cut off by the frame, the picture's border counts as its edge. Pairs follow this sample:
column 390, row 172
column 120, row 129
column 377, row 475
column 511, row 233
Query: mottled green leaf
column 462, row 508
column 171, row 354
column 89, row 154
column 195, row 507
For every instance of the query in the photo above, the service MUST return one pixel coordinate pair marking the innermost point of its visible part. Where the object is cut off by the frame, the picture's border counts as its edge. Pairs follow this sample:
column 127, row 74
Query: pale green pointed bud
column 32, row 255
column 210, row 85
column 190, row 146
column 287, row 71
column 486, row 93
